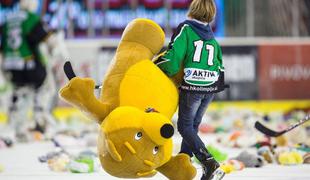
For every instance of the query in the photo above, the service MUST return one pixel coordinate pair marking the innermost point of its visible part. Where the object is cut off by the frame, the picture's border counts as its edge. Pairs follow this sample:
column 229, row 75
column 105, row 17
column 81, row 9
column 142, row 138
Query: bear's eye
column 138, row 136
column 155, row 150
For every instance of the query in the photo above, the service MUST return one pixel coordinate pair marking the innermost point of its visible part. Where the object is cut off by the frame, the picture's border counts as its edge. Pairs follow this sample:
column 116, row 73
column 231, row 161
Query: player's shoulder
column 33, row 16
column 182, row 26
column 179, row 31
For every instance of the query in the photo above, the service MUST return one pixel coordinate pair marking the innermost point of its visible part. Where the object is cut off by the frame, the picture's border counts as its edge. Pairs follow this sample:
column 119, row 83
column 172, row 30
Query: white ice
column 21, row 162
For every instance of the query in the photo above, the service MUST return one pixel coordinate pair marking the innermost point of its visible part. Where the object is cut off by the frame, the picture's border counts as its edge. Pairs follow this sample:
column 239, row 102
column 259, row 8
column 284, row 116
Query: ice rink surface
column 21, row 162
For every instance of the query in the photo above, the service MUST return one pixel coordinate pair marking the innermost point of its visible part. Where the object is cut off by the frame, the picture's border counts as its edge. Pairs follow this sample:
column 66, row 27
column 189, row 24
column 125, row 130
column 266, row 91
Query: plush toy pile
column 238, row 132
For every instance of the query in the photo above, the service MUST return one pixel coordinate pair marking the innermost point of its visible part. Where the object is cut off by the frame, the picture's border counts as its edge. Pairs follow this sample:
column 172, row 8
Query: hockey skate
column 218, row 174
column 211, row 170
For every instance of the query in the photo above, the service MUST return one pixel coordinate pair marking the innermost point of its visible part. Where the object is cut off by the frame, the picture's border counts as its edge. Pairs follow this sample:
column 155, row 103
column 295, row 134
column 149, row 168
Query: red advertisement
column 284, row 71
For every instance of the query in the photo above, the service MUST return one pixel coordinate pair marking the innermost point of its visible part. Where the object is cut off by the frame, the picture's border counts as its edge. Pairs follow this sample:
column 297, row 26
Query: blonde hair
column 202, row 10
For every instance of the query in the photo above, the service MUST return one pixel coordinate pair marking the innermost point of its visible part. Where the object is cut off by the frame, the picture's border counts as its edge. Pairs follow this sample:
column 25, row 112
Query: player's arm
column 39, row 34
column 53, row 40
column 170, row 61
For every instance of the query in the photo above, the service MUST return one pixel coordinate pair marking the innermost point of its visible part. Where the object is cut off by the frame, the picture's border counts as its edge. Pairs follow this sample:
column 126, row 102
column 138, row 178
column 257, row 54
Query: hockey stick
column 70, row 73
column 272, row 133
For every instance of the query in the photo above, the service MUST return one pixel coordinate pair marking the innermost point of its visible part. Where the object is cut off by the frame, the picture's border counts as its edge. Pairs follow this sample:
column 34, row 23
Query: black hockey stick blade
column 263, row 129
column 68, row 70
column 259, row 126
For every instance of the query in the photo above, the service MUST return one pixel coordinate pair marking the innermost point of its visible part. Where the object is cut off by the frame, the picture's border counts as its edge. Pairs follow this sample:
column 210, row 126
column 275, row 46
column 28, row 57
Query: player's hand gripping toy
column 134, row 110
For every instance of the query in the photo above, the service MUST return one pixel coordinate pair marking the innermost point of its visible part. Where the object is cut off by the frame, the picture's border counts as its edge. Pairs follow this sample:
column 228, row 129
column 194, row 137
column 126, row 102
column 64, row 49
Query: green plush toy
column 216, row 153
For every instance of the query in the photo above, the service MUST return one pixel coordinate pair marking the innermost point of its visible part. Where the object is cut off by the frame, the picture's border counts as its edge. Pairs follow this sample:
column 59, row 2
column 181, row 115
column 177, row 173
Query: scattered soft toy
column 6, row 142
column 50, row 155
column 303, row 147
column 59, row 163
column 298, row 136
column 235, row 135
column 290, row 158
column 86, row 162
column 250, row 160
column 281, row 141
column 227, row 168
column 238, row 124
column 237, row 139
column 232, row 165
column 228, row 140
column 263, row 141
column 206, row 128
column 267, row 153
column 219, row 129
column 218, row 155
column 134, row 109
column 262, row 144
column 37, row 136
column 306, row 158
column 82, row 165
column 238, row 165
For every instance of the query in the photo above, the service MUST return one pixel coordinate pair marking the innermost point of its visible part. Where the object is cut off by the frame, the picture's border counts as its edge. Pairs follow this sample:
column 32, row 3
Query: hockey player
column 25, row 66
column 194, row 48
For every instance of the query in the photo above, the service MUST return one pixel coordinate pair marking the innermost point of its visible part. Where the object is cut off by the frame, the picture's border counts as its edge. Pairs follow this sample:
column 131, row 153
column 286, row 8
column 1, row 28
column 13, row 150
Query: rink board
column 63, row 113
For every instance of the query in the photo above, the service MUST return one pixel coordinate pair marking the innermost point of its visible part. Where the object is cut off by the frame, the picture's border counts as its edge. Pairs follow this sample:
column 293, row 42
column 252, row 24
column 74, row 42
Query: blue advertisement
column 61, row 14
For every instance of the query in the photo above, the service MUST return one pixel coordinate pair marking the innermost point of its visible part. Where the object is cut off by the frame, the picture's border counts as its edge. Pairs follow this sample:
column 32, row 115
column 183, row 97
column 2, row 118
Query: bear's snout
column 167, row 131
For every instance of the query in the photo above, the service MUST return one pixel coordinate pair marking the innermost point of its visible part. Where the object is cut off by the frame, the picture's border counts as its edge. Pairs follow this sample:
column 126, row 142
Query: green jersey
column 194, row 49
column 21, row 34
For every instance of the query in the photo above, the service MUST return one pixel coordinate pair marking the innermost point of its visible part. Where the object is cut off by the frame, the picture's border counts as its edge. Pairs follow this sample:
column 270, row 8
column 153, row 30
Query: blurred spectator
column 26, row 68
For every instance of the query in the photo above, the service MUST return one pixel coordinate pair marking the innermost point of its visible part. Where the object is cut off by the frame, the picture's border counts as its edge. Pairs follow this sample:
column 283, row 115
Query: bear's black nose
column 166, row 131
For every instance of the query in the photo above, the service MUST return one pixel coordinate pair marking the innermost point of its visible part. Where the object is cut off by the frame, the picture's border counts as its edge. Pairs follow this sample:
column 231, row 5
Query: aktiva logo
column 193, row 74
column 187, row 73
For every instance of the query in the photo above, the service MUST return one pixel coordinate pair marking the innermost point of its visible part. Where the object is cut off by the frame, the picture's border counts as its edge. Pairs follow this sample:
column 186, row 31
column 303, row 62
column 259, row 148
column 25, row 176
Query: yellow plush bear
column 134, row 110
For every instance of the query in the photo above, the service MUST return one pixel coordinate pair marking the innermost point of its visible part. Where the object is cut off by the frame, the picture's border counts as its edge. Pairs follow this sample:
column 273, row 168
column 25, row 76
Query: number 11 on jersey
column 198, row 49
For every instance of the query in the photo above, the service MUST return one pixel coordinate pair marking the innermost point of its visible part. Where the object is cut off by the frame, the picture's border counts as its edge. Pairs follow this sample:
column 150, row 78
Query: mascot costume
column 134, row 110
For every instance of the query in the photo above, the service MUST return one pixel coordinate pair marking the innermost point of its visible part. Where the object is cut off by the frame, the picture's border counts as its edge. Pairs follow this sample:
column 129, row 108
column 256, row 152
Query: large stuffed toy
column 134, row 110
